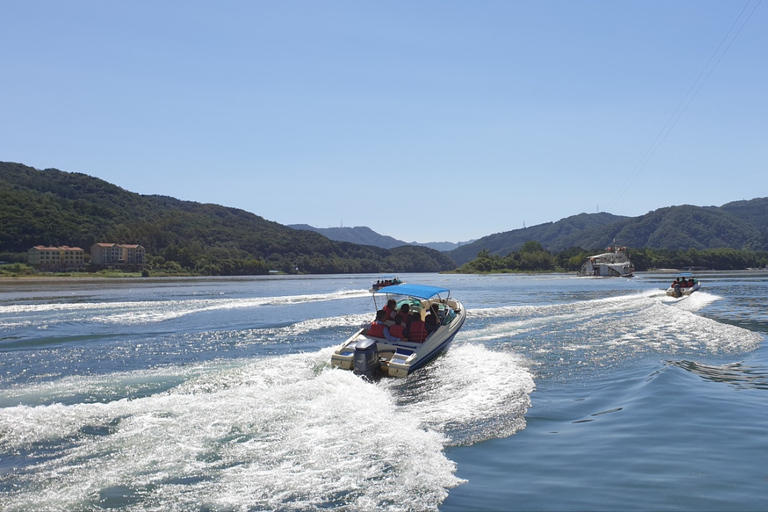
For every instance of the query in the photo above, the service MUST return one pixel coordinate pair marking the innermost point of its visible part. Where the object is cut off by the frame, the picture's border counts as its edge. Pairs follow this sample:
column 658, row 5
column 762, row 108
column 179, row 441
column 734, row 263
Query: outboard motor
column 366, row 359
column 677, row 291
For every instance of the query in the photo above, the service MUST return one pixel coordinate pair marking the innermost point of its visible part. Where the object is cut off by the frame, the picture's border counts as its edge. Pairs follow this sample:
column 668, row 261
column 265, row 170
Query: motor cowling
column 365, row 361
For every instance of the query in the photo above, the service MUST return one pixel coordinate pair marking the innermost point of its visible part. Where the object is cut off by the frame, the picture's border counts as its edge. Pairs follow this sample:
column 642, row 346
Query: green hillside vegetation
column 742, row 225
column 554, row 236
column 366, row 236
column 532, row 257
column 358, row 235
column 754, row 211
column 51, row 207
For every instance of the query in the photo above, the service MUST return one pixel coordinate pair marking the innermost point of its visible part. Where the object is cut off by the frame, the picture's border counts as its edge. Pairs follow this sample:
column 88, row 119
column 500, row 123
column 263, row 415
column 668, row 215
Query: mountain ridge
column 366, row 236
column 53, row 207
column 735, row 225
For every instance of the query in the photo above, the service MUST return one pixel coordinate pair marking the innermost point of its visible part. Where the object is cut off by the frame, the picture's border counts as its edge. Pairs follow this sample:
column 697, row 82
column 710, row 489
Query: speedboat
column 384, row 282
column 684, row 284
column 372, row 356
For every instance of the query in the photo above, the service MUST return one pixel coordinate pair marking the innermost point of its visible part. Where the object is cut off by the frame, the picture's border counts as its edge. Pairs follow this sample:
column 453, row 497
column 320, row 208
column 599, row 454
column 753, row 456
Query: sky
column 425, row 120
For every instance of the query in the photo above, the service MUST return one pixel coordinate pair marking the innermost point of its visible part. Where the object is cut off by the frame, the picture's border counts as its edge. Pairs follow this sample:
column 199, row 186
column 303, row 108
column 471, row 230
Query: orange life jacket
column 397, row 330
column 376, row 329
column 417, row 331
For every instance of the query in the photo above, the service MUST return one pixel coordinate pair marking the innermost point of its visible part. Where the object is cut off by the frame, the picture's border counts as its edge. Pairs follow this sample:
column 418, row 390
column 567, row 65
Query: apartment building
column 115, row 255
column 56, row 258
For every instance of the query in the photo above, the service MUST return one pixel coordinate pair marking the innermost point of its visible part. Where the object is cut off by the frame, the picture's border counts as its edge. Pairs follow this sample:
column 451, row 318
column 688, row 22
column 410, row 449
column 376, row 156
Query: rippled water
column 558, row 393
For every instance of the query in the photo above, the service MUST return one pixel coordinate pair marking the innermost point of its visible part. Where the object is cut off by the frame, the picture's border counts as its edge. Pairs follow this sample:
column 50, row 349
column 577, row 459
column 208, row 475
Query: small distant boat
column 385, row 281
column 614, row 263
column 371, row 356
column 684, row 284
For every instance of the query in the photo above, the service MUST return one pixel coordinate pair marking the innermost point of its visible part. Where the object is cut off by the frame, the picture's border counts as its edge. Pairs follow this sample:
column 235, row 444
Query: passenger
column 432, row 320
column 417, row 331
column 378, row 326
column 391, row 309
column 405, row 312
column 398, row 331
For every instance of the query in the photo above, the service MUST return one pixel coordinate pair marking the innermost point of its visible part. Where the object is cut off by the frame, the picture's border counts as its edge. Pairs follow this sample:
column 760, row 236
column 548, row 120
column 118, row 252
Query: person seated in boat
column 405, row 312
column 432, row 321
column 397, row 331
column 391, row 311
column 378, row 326
column 417, row 330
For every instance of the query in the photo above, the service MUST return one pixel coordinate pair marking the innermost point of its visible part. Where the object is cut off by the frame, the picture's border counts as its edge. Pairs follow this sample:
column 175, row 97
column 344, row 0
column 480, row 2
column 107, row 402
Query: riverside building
column 56, row 258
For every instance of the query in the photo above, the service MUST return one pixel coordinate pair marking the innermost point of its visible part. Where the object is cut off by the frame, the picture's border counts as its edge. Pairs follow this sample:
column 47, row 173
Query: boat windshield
column 420, row 291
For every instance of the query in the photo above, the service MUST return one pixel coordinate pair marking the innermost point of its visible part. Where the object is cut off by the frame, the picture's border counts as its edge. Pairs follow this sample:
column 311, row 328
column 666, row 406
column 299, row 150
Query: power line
column 687, row 99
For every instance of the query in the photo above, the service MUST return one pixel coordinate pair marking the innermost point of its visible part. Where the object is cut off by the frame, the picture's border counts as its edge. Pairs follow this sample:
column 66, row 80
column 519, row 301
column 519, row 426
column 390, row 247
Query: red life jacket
column 376, row 329
column 390, row 312
column 417, row 331
column 397, row 330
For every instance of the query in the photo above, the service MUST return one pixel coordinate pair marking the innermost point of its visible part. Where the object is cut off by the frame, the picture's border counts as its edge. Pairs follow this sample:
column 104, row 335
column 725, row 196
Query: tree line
column 532, row 257
column 55, row 208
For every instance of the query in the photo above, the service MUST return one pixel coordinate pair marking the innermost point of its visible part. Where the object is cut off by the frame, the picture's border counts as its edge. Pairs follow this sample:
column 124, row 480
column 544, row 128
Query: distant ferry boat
column 614, row 263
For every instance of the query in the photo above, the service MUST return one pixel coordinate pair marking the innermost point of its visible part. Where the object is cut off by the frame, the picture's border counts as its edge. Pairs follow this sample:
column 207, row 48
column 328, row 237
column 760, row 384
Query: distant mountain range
column 52, row 207
column 736, row 225
column 366, row 236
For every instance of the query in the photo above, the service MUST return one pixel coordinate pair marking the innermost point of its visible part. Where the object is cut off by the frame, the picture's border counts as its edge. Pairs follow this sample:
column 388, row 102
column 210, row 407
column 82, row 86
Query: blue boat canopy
column 420, row 291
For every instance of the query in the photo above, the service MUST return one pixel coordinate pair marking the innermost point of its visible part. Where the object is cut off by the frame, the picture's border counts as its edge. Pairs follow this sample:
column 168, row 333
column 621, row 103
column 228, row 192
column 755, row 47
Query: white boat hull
column 401, row 358
column 683, row 291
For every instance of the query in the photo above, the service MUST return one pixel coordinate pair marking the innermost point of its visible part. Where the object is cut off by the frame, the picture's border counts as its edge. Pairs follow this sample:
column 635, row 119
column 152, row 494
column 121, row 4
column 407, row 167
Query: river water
column 559, row 393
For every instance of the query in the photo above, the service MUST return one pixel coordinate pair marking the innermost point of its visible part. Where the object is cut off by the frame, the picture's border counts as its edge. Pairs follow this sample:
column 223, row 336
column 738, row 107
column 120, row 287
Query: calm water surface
column 560, row 393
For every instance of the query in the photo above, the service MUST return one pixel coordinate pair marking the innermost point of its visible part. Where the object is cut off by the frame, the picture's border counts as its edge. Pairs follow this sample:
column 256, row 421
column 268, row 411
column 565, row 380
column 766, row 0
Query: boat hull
column 683, row 291
column 401, row 358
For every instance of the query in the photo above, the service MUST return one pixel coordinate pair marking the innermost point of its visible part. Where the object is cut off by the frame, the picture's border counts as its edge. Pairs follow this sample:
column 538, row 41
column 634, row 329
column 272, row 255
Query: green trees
column 51, row 207
column 714, row 259
column 532, row 257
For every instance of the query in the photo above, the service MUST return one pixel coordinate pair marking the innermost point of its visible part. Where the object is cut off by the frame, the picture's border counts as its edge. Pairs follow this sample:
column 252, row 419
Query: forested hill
column 366, row 236
column 359, row 235
column 741, row 225
column 553, row 236
column 51, row 207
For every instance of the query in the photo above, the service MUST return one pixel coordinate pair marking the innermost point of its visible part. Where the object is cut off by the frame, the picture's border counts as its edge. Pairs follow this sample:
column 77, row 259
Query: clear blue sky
column 425, row 121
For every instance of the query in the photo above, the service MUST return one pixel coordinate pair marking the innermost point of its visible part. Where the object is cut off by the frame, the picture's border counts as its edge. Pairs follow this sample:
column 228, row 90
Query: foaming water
column 221, row 396
column 604, row 332
column 468, row 405
column 273, row 433
column 140, row 312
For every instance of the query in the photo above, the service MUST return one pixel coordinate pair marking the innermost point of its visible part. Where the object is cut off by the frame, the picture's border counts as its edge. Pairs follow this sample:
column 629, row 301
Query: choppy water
column 560, row 393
